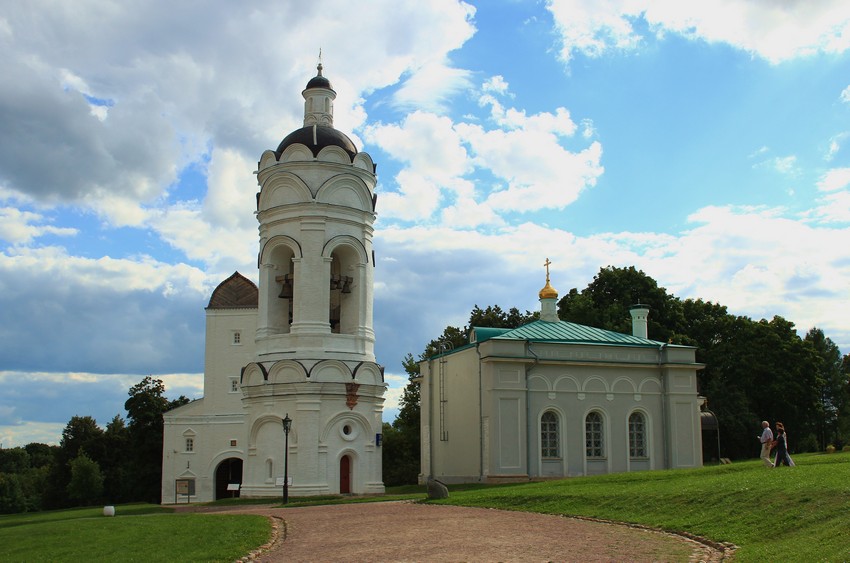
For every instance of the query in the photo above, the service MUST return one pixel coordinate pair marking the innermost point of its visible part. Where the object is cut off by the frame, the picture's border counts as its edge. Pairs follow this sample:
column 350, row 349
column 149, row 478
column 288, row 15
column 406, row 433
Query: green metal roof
column 483, row 333
column 563, row 331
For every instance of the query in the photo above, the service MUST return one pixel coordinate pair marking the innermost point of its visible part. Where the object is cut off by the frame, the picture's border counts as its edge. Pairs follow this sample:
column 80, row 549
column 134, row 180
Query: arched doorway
column 345, row 475
column 228, row 471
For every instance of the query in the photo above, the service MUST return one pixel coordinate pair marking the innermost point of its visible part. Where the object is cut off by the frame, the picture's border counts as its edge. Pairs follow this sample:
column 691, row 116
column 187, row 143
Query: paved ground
column 403, row 531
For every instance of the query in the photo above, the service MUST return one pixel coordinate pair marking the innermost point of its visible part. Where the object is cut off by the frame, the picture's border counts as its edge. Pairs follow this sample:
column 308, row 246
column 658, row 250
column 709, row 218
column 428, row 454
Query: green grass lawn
column 137, row 533
column 784, row 514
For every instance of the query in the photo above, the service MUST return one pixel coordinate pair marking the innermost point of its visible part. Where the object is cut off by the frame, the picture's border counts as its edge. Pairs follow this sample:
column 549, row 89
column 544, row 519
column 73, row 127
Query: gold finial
column 319, row 66
column 548, row 292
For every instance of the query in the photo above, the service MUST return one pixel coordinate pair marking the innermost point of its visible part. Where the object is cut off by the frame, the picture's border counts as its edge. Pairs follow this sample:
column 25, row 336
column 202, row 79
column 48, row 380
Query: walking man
column 766, row 439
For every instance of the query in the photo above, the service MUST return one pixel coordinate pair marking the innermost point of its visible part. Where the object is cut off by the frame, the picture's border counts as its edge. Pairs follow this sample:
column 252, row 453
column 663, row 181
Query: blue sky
column 707, row 145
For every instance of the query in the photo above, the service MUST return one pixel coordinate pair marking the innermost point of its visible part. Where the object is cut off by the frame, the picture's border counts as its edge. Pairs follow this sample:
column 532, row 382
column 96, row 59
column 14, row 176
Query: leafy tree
column 843, row 424
column 86, row 484
column 401, row 438
column 606, row 301
column 41, row 455
column 12, row 498
column 30, row 466
column 495, row 317
column 81, row 435
column 34, row 482
column 14, row 460
column 116, row 461
column 833, row 387
column 144, row 408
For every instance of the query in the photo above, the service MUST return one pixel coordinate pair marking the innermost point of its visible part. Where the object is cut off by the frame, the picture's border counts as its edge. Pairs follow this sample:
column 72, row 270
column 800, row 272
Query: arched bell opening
column 282, row 287
column 344, row 305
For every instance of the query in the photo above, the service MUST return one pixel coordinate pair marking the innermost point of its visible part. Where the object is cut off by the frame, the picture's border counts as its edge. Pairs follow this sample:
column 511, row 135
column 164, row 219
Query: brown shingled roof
column 236, row 292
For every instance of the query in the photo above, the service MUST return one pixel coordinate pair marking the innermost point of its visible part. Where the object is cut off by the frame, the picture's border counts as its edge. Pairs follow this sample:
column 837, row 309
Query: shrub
column 808, row 444
column 86, row 484
column 846, row 448
column 830, row 449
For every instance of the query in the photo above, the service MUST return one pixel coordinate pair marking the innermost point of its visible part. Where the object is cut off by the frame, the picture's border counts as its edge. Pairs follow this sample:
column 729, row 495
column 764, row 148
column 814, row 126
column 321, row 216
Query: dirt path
column 403, row 531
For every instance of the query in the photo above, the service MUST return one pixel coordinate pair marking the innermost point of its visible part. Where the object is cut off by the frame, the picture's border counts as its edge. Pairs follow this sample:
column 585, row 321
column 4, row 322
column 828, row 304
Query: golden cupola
column 548, row 299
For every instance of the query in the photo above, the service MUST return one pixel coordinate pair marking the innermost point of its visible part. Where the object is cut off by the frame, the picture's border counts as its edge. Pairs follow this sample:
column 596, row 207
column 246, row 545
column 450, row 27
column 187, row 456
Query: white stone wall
column 571, row 380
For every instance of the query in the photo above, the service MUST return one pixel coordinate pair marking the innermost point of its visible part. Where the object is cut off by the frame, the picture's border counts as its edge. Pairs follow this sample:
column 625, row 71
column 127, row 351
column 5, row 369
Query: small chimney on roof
column 639, row 314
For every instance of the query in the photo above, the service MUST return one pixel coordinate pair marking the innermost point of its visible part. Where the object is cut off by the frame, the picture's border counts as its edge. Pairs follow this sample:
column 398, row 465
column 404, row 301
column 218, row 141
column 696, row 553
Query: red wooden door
column 345, row 475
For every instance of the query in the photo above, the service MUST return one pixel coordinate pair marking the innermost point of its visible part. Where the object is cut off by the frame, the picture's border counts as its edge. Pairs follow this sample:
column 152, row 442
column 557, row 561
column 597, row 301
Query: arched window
column 593, row 436
column 549, row 435
column 269, row 470
column 637, row 435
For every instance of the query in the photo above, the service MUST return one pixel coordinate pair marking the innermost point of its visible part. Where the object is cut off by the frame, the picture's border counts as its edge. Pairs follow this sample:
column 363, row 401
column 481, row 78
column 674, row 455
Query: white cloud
column 396, row 383
column 777, row 31
column 834, row 208
column 757, row 261
column 835, row 179
column 21, row 227
column 786, row 165
column 149, row 90
column 845, row 95
column 222, row 230
column 431, row 87
column 27, row 432
column 100, row 315
column 496, row 84
column 433, row 158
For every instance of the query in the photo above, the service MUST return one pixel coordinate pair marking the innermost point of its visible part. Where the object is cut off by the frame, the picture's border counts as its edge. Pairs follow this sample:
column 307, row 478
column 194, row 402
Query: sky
column 707, row 144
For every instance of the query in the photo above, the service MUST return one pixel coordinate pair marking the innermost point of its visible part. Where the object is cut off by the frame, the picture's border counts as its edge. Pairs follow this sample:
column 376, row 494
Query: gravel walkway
column 404, row 531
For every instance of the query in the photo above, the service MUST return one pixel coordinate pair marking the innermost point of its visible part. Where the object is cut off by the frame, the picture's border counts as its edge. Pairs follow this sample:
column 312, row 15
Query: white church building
column 301, row 343
column 556, row 399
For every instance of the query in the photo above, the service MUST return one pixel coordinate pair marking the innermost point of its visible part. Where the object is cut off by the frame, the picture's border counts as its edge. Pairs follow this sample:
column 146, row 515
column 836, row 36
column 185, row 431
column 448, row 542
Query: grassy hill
column 784, row 514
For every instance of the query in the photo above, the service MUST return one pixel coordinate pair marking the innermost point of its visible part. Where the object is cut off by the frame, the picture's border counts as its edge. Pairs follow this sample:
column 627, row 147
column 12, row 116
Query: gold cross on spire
column 547, row 263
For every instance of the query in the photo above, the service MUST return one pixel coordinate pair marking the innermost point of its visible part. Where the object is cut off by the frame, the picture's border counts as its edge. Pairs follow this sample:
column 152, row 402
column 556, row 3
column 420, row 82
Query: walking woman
column 781, row 442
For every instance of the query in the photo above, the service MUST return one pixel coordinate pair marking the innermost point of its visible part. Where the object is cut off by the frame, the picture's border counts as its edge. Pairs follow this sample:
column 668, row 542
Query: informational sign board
column 279, row 482
column 233, row 486
column 186, row 487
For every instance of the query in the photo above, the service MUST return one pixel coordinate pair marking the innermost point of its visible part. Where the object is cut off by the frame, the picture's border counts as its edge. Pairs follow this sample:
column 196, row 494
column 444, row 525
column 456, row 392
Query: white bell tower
column 315, row 341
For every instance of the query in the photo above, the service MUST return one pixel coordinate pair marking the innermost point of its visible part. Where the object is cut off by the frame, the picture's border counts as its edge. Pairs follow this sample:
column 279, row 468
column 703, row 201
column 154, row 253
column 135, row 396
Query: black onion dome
column 325, row 137
column 319, row 82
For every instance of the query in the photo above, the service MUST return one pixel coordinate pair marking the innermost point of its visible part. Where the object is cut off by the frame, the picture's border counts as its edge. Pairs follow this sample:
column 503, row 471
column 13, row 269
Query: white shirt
column 767, row 435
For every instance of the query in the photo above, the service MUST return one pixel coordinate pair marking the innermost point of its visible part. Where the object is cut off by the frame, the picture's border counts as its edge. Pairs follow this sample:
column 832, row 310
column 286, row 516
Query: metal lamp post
column 287, row 424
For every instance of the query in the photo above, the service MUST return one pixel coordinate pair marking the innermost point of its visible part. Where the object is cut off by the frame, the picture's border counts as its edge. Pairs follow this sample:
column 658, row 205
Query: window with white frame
column 237, row 337
column 637, row 435
column 190, row 444
column 593, row 436
column 234, row 385
column 549, row 439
